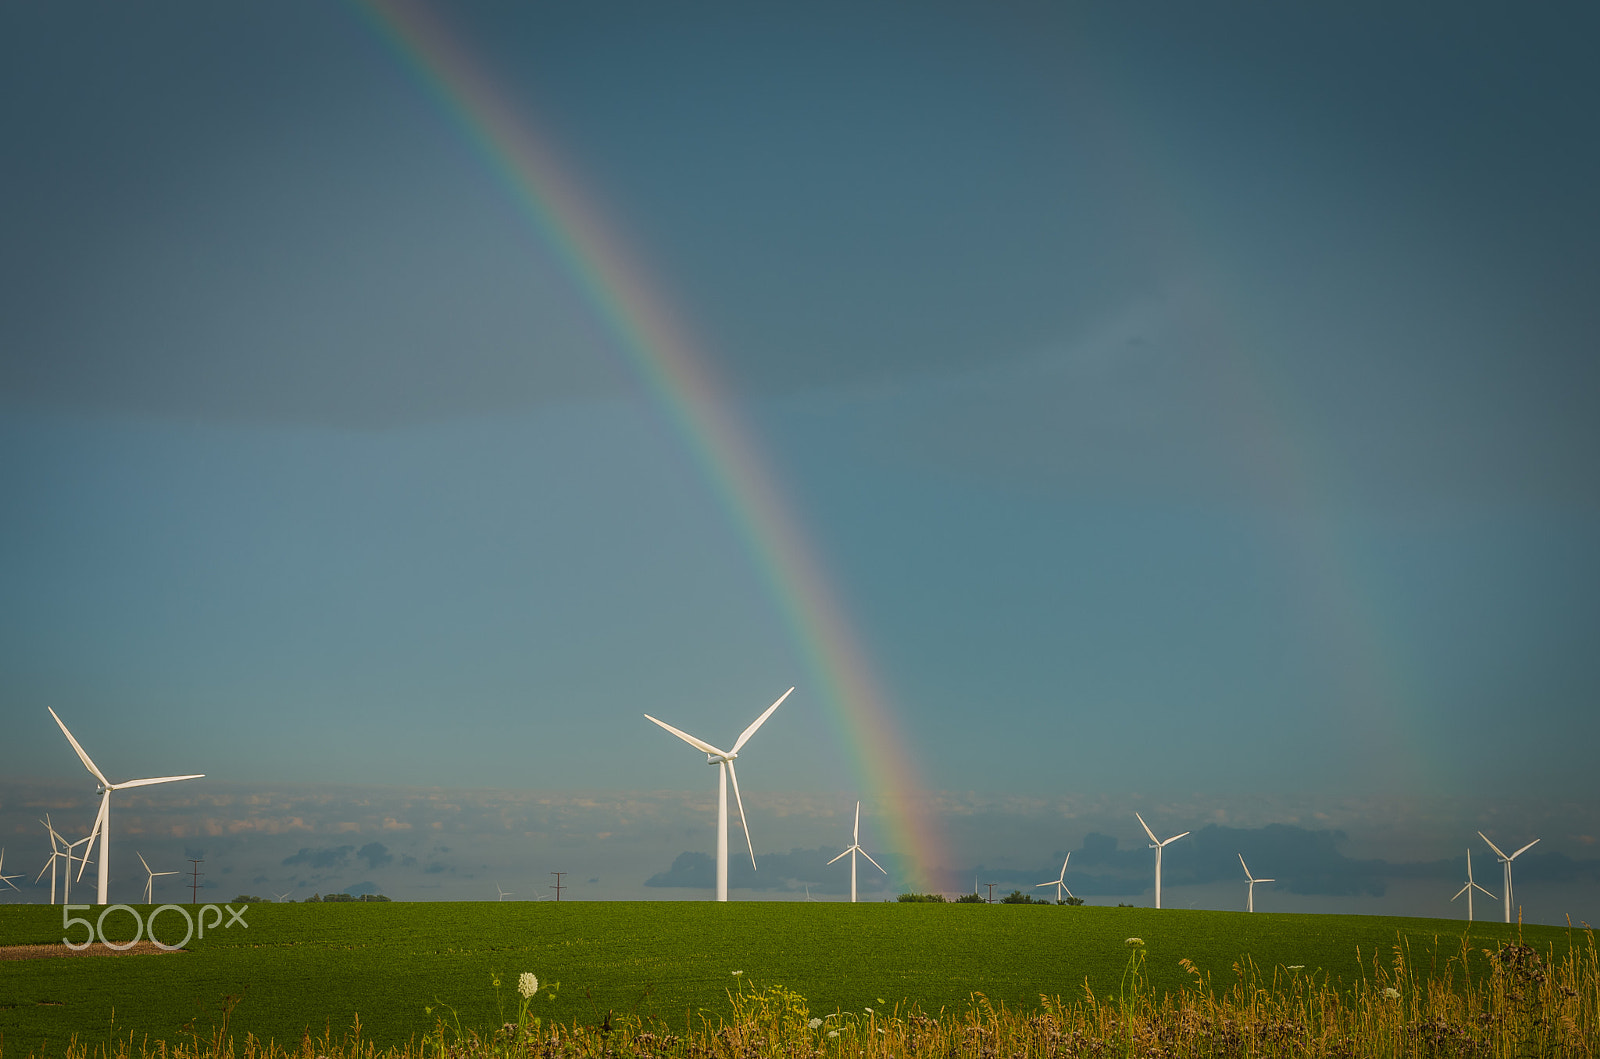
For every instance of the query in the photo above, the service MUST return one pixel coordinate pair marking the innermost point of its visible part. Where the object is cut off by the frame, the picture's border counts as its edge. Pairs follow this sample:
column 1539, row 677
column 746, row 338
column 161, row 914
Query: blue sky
column 1194, row 409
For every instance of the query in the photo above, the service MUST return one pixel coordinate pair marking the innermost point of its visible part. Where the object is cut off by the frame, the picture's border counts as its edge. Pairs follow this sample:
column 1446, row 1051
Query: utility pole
column 559, row 887
column 991, row 886
column 194, row 886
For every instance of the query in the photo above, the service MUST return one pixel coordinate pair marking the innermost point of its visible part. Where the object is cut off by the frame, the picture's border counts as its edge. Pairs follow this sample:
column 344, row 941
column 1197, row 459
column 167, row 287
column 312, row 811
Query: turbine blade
column 99, row 820
column 146, row 863
column 698, row 744
column 1069, row 892
column 875, row 864
column 1263, row 880
column 90, row 765
column 1461, row 891
column 734, row 776
column 851, row 849
column 1174, row 838
column 1493, row 846
column 759, row 721
column 158, row 779
column 1481, row 890
column 49, row 862
column 855, row 836
column 1147, row 830
column 1523, row 850
column 1246, row 867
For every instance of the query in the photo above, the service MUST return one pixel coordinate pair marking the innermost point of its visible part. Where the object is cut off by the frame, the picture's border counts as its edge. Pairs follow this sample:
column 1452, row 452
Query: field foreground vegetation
column 439, row 980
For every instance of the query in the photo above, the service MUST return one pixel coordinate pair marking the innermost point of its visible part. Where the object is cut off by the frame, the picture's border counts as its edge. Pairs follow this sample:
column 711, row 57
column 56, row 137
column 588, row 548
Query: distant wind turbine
column 150, row 882
column 1505, row 860
column 1471, row 886
column 61, row 849
column 504, row 893
column 1157, row 845
column 1060, row 881
column 281, row 898
column 808, row 894
column 855, row 847
column 1250, row 899
column 724, row 759
column 4, row 877
column 102, row 822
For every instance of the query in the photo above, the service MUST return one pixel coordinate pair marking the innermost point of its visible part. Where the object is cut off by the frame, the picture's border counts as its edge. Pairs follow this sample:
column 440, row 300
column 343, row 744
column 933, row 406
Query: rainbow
column 663, row 356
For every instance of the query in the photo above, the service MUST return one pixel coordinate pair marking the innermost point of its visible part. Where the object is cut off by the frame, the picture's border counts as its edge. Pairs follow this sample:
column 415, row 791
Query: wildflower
column 814, row 1024
column 833, row 1033
column 1296, row 967
column 737, row 973
column 1391, row 993
column 867, row 1010
column 527, row 984
column 1135, row 943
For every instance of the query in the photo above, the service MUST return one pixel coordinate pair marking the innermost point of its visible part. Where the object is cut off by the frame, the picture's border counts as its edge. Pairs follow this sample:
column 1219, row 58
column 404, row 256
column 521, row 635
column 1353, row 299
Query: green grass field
column 299, row 966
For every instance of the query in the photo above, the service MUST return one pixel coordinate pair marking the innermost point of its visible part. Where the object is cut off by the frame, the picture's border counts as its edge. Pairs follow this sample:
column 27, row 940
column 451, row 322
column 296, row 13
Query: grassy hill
column 298, row 966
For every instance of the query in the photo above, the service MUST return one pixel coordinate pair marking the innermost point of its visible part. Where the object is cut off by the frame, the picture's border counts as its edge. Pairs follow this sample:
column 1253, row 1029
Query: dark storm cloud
column 376, row 854
column 780, row 871
column 320, row 859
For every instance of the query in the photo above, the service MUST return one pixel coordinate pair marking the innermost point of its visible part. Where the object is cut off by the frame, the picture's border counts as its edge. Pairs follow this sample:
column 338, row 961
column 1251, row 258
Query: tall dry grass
column 1507, row 1003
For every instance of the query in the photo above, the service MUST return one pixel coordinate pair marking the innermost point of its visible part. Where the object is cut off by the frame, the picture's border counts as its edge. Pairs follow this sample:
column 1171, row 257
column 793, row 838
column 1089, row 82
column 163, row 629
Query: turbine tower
column 855, row 847
column 724, row 760
column 102, row 822
column 1250, row 900
column 1060, row 882
column 1505, row 860
column 1157, row 845
column 1471, row 886
column 149, row 883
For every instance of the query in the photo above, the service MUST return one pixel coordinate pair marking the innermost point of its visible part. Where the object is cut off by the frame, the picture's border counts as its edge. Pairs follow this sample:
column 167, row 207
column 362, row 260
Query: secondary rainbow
column 662, row 354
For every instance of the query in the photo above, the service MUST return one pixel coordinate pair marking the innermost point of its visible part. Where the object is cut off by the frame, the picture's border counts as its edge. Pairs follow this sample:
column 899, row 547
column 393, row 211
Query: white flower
column 814, row 1024
column 867, row 1010
column 527, row 984
column 1391, row 993
column 833, row 1033
column 1297, row 967
column 737, row 973
column 1135, row 943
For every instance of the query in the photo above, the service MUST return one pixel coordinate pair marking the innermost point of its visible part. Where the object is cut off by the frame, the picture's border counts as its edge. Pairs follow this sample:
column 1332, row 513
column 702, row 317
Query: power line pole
column 991, row 886
column 559, row 887
column 194, row 886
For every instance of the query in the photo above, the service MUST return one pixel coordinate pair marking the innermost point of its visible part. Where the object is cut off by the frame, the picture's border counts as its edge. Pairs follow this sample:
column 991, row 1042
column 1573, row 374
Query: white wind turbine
column 855, row 847
column 1505, row 860
column 149, row 883
column 1250, row 899
column 1156, row 844
column 504, row 893
column 102, row 822
column 4, row 877
column 1059, row 882
column 61, row 849
column 1471, row 886
column 724, row 759
column 281, row 898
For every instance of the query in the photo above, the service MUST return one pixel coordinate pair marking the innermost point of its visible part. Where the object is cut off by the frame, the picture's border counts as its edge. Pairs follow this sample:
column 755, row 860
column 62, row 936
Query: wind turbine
column 1060, row 881
column 808, row 894
column 855, row 847
column 102, row 822
column 1250, row 900
column 60, row 848
column 724, row 759
column 503, row 893
column 1505, row 860
column 1471, row 886
column 4, row 877
column 149, row 883
column 281, row 898
column 1156, row 844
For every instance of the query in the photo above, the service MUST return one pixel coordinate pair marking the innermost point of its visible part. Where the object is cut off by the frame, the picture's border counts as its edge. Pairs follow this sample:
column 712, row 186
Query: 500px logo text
column 142, row 926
